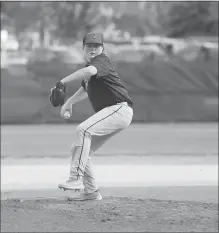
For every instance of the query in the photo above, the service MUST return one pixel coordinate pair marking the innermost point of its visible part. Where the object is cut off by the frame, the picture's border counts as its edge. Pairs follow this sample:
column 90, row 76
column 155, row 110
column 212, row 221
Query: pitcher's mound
column 115, row 214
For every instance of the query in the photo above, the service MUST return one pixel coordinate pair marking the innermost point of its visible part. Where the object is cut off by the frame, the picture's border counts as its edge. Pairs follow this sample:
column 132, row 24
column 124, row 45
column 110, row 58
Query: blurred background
column 165, row 52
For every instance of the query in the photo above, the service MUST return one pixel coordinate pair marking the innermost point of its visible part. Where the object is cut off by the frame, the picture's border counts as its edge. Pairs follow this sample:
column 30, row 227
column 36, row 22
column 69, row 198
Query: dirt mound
column 113, row 214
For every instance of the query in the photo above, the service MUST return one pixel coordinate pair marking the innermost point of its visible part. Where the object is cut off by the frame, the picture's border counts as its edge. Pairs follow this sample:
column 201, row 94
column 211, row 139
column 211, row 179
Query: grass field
column 138, row 139
column 161, row 208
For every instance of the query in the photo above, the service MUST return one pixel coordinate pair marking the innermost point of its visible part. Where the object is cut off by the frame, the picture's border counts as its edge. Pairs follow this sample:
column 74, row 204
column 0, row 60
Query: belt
column 125, row 103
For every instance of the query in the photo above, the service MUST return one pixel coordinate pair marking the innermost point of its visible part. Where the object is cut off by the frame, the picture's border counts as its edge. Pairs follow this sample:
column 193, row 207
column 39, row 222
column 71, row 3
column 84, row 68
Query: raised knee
column 80, row 136
column 79, row 130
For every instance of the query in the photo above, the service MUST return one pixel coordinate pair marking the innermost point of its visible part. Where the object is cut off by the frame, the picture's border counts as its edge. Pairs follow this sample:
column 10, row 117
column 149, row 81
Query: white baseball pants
column 91, row 135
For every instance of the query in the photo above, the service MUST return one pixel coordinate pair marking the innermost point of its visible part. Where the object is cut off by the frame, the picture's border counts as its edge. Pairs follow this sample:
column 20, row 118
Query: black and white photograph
column 109, row 116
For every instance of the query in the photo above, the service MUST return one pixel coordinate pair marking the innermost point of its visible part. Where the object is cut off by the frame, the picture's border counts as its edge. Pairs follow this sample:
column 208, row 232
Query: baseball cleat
column 72, row 184
column 87, row 197
column 76, row 190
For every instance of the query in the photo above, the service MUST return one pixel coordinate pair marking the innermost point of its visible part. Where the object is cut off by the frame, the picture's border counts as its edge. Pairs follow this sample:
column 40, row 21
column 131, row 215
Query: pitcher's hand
column 66, row 107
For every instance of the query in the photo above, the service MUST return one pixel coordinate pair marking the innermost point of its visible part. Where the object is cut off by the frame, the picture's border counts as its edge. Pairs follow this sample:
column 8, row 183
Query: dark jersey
column 105, row 88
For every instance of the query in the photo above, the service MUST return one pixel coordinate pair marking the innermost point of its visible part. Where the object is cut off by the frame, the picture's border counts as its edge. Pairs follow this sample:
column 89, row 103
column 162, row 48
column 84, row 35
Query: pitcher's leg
column 89, row 181
column 80, row 151
column 101, row 125
column 104, row 123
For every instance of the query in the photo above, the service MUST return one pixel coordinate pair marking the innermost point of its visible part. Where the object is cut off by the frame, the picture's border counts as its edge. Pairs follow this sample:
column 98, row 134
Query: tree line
column 71, row 19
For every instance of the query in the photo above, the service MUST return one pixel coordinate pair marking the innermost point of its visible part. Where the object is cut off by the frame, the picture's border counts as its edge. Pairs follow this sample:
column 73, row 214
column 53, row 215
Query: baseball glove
column 58, row 94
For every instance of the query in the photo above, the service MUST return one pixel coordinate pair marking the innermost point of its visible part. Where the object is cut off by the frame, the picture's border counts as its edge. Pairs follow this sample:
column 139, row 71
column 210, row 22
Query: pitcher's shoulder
column 102, row 59
column 101, row 56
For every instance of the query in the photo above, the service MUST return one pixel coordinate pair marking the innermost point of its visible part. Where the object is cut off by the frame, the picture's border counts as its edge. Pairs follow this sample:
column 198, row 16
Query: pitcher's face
column 92, row 50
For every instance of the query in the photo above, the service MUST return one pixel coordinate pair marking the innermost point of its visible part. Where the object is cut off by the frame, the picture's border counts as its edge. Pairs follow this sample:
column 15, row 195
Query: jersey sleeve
column 101, row 65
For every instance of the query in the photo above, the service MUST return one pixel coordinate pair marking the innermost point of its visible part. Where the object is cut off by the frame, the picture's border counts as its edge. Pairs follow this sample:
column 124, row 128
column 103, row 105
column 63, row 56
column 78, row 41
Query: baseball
column 67, row 115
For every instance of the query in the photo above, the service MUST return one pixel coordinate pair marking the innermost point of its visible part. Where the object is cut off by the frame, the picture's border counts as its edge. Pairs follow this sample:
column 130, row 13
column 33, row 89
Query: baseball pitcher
column 113, row 113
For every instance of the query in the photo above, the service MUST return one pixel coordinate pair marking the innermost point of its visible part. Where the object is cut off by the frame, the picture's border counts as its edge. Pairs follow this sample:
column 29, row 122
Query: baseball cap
column 93, row 38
